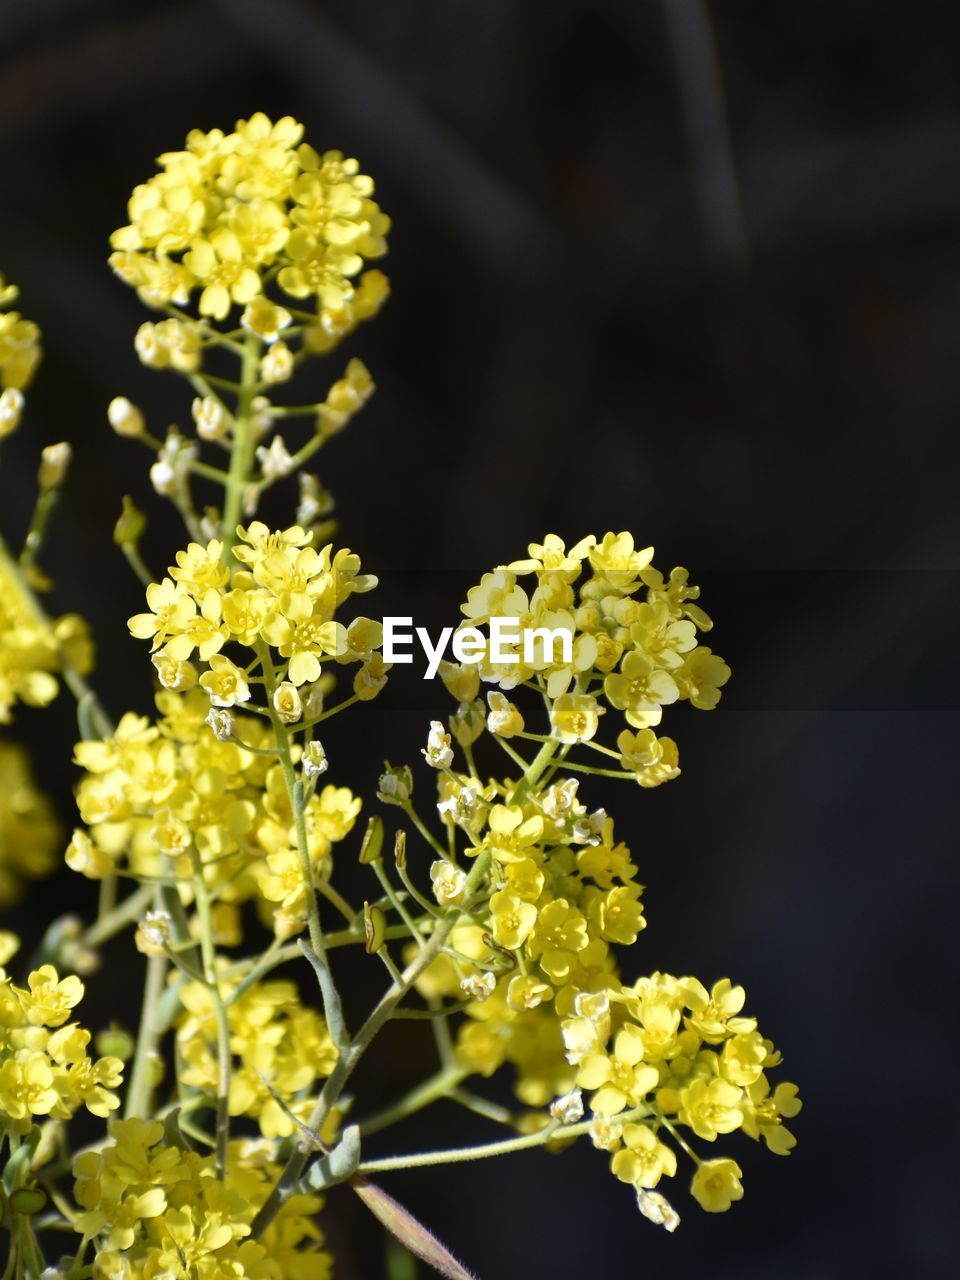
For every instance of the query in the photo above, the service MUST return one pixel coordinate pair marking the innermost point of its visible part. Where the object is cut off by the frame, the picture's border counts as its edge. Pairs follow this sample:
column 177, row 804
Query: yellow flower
column 714, row 1014
column 510, row 834
column 225, row 683
column 641, row 690
column 716, row 1184
column 701, row 678
column 575, row 717
column 614, row 556
column 654, row 760
column 20, row 350
column 50, row 1000
column 620, row 1078
column 711, row 1107
column 643, row 1160
column 763, row 1113
column 513, row 919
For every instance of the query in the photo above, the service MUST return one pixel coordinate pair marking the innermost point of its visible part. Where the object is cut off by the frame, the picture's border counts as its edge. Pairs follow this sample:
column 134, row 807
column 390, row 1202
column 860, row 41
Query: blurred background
column 689, row 269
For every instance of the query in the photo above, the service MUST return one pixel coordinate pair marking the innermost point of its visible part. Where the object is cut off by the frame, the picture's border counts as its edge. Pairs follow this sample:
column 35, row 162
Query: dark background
column 689, row 270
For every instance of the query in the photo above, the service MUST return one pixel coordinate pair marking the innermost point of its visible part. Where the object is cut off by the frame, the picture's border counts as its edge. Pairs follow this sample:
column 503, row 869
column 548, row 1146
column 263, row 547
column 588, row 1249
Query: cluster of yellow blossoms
column 33, row 649
column 254, row 247
column 282, row 1049
column 29, row 831
column 45, row 1069
column 156, row 794
column 283, row 595
column 532, row 949
column 160, row 1210
column 233, row 212
column 632, row 643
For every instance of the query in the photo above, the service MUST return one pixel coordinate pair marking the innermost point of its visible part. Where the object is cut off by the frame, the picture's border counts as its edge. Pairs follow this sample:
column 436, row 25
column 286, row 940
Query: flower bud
column 222, row 723
column 125, row 418
column 314, row 760
column 287, row 702
column 277, row 365
column 395, row 785
column 568, row 1109
column 54, row 463
column 210, row 418
column 438, row 751
column 276, row 461
column 478, row 986
column 11, row 408
column 153, row 933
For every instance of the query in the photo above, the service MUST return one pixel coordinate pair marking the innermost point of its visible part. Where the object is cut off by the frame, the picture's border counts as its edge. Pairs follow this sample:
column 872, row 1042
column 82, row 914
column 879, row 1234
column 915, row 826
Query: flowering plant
column 502, row 909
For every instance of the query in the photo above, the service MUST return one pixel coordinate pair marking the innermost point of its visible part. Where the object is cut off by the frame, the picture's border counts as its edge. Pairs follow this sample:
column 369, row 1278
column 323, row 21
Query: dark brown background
column 605, row 316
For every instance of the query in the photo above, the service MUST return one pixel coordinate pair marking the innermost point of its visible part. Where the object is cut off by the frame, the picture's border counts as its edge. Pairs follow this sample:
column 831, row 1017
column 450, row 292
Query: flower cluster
column 45, row 1069
column 668, row 1050
column 564, row 892
column 156, row 796
column 532, row 949
column 282, row 1049
column 254, row 250
column 633, row 644
column 233, row 212
column 29, row 831
column 33, row 650
column 282, row 595
column 155, row 1209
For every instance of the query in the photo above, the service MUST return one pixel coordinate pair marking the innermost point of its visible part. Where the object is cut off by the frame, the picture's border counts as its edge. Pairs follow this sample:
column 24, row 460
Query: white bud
column 210, row 418
column 560, row 801
column 449, row 882
column 277, row 364
column 275, row 461
column 222, row 723
column 589, row 830
column 461, row 807
column 150, row 347
column 314, row 760
column 153, row 933
column 568, row 1109
column 125, row 418
column 11, row 409
column 261, row 422
column 657, row 1209
column 606, row 1134
column 478, row 986
column 163, row 476
column 438, row 751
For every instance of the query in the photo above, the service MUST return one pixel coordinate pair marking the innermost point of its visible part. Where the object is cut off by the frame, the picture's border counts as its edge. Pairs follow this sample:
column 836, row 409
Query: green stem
column 224, row 1063
column 295, row 798
column 241, row 456
column 138, row 1093
column 348, row 1060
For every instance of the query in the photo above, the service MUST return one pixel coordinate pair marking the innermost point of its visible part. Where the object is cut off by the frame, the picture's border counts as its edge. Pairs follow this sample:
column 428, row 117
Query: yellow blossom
column 716, row 1184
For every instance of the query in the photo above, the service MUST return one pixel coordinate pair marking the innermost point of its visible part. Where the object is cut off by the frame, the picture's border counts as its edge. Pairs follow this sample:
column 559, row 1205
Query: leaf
column 401, row 1223
column 339, row 1165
